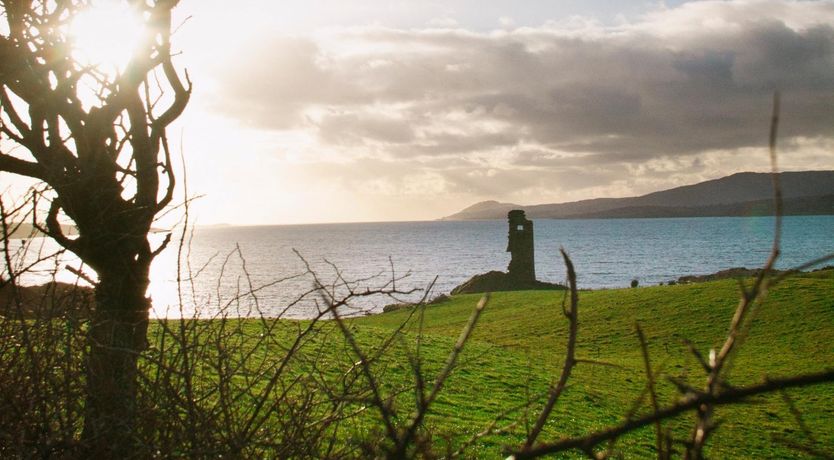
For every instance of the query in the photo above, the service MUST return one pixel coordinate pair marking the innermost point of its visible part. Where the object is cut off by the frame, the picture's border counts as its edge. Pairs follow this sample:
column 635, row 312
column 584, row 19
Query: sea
column 295, row 271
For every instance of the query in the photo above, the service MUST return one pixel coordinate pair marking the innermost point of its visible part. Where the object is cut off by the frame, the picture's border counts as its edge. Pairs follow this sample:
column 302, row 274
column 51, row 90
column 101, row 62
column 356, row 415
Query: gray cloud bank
column 572, row 99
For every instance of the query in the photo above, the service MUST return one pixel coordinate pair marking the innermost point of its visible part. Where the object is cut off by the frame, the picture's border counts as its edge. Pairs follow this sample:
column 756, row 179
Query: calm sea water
column 607, row 253
column 226, row 264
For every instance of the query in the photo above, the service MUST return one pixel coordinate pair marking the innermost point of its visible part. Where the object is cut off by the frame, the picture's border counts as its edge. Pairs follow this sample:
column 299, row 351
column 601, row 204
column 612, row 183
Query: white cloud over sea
column 378, row 122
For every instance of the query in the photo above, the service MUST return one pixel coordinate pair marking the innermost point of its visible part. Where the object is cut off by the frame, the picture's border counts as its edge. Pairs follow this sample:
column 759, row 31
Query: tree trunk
column 117, row 335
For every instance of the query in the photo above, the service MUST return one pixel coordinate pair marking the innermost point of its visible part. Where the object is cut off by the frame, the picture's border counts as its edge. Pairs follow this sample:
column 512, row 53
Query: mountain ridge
column 739, row 194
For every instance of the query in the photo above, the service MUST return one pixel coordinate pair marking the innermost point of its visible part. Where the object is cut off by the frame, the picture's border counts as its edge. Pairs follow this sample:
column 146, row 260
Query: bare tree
column 106, row 162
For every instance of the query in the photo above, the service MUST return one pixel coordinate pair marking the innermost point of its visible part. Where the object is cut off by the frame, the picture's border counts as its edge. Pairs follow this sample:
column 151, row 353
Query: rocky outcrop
column 495, row 281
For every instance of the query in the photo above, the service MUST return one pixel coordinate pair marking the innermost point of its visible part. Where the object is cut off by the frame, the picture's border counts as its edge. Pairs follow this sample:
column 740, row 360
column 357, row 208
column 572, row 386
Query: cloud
column 546, row 105
column 354, row 128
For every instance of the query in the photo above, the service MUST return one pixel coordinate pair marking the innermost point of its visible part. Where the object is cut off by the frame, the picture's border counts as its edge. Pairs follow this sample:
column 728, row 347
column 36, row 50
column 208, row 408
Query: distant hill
column 742, row 194
column 26, row 230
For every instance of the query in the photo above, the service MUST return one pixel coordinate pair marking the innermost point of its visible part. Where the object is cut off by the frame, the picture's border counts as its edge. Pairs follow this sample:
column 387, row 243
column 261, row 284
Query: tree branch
column 730, row 396
column 572, row 313
column 24, row 168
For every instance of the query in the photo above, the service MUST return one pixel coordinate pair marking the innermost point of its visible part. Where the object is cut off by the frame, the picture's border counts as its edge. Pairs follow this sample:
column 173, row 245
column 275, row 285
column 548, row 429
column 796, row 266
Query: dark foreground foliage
column 399, row 385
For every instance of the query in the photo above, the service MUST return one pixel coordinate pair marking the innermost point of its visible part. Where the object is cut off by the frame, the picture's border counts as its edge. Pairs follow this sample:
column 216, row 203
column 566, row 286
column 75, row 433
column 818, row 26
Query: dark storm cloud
column 680, row 82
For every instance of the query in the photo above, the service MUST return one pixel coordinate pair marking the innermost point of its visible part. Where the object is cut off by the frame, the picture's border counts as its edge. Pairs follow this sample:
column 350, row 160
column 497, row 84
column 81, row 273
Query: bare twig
column 650, row 379
column 731, row 396
column 572, row 314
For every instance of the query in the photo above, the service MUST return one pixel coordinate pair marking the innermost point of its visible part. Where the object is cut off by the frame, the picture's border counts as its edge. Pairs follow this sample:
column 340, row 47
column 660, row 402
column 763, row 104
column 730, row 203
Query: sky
column 384, row 110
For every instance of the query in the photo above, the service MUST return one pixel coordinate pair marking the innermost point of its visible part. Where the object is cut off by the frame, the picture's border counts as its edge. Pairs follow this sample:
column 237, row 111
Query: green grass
column 518, row 347
column 515, row 353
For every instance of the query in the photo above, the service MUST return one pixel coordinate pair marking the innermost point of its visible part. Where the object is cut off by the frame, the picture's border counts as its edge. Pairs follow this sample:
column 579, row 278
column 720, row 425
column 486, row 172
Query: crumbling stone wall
column 521, row 274
column 522, row 266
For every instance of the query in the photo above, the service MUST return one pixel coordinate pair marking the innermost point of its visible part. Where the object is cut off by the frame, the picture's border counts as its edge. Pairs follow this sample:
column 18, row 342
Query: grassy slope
column 518, row 347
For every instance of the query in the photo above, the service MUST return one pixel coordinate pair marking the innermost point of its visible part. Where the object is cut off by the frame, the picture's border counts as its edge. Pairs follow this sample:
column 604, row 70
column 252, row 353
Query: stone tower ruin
column 522, row 266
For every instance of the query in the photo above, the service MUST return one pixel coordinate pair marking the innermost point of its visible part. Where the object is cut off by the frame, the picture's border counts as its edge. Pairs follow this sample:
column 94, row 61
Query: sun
column 105, row 34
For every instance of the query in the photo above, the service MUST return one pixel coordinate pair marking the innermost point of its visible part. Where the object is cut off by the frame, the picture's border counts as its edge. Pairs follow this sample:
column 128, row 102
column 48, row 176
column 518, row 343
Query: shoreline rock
column 402, row 306
column 496, row 281
column 738, row 272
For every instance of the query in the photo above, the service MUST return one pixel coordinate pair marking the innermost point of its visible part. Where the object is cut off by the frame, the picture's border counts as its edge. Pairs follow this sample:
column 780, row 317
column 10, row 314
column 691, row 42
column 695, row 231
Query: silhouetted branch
column 423, row 407
column 650, row 380
column 572, row 314
column 749, row 298
column 730, row 396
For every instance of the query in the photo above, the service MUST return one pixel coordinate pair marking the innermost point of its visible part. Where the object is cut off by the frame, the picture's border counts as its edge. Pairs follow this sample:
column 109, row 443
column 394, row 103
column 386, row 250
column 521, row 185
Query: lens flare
column 105, row 35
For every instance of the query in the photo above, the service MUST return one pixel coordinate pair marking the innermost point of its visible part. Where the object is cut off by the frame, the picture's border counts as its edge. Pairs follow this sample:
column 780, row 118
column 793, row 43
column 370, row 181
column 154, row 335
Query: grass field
column 195, row 405
column 518, row 347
